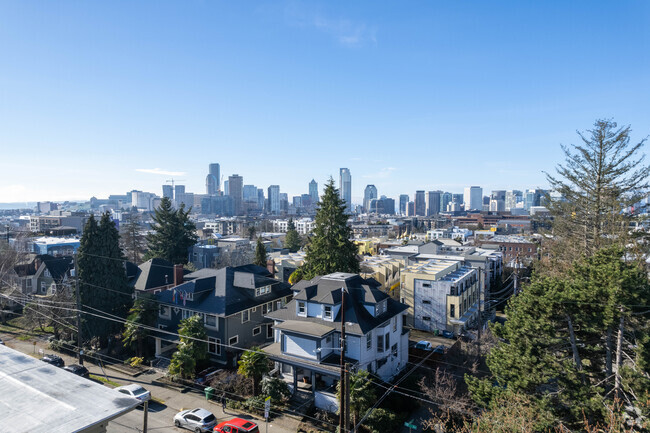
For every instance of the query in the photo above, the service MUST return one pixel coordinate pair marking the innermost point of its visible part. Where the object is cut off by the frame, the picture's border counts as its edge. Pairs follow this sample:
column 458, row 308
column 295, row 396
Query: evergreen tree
column 253, row 364
column 330, row 248
column 132, row 240
column 601, row 178
column 143, row 314
column 102, row 278
column 292, row 240
column 173, row 233
column 557, row 346
column 260, row 253
column 362, row 394
column 192, row 348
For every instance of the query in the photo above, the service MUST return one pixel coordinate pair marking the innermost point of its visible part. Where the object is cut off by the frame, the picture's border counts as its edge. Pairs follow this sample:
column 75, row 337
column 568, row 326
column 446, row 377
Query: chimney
column 178, row 275
column 270, row 266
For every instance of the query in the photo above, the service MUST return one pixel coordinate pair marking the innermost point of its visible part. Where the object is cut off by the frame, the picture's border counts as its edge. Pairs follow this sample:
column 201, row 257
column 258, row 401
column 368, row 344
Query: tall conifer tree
column 292, row 240
column 260, row 253
column 330, row 248
column 173, row 233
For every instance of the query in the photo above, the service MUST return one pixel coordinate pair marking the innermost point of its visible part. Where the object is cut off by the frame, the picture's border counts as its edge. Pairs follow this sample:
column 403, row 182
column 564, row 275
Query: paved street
column 160, row 415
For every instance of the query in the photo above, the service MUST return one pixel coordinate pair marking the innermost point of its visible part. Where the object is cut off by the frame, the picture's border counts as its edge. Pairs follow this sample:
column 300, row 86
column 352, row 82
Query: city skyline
column 99, row 100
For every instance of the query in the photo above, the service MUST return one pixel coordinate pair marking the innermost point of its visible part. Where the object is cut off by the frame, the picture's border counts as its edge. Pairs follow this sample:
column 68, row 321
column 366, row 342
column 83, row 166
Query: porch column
column 295, row 378
column 313, row 381
column 158, row 348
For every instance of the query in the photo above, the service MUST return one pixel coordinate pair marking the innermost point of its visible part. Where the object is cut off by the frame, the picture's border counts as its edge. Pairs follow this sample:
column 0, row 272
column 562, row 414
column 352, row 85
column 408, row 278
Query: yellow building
column 384, row 269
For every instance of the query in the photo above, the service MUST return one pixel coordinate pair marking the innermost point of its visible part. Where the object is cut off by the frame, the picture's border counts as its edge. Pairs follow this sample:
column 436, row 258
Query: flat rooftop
column 38, row 397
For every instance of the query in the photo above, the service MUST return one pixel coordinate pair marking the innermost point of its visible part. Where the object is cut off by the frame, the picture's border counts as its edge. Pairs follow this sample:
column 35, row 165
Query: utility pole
column 516, row 275
column 480, row 316
column 347, row 397
column 76, row 277
column 342, row 426
column 146, row 415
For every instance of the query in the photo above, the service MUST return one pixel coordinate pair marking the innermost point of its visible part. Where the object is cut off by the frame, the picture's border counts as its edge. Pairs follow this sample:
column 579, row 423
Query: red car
column 237, row 425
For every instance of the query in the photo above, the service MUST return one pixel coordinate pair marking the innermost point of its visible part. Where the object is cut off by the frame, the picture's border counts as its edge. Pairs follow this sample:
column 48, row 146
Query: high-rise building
column 273, row 194
column 473, row 198
column 445, row 199
column 432, row 200
column 168, row 191
column 236, row 191
column 345, row 188
column 212, row 180
column 368, row 194
column 420, row 205
column 250, row 197
column 260, row 198
column 403, row 203
column 382, row 206
column 179, row 189
column 313, row 191
column 284, row 202
column 179, row 195
column 410, row 209
column 226, row 189
column 512, row 198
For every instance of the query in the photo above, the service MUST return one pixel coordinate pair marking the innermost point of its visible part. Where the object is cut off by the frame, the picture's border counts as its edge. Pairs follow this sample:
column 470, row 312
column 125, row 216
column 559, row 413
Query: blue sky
column 408, row 95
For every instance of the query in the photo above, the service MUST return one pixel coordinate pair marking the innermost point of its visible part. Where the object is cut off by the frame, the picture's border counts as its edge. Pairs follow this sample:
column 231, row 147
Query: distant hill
column 21, row 205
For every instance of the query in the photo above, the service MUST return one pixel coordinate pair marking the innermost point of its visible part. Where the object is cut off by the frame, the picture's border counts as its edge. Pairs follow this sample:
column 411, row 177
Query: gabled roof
column 327, row 290
column 154, row 273
column 218, row 293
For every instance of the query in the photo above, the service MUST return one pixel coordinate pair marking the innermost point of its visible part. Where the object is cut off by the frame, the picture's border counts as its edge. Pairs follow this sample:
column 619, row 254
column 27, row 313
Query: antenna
column 172, row 181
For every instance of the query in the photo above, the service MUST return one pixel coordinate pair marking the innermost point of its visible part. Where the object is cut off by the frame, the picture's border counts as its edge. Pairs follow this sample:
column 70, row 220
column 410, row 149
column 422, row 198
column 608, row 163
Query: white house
column 308, row 330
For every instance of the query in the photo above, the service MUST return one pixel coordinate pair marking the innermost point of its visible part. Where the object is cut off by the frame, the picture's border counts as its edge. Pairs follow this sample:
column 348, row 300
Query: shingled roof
column 223, row 292
column 327, row 290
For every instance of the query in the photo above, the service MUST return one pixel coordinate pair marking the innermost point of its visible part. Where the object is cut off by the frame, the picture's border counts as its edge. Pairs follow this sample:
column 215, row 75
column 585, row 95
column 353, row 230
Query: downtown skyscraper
column 345, row 188
column 212, row 180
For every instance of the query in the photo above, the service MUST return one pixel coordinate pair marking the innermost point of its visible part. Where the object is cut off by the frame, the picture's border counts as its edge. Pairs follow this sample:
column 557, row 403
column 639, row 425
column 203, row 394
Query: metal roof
column 38, row 397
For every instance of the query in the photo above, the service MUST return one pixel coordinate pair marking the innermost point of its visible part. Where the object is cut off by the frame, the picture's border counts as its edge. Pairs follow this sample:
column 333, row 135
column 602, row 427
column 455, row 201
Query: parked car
column 54, row 360
column 237, row 425
column 198, row 420
column 424, row 345
column 77, row 369
column 447, row 334
column 135, row 391
column 206, row 375
column 439, row 349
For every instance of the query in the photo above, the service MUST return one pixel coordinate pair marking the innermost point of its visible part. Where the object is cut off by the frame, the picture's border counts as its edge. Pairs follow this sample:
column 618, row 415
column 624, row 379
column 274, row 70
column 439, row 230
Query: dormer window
column 327, row 312
column 259, row 291
column 302, row 308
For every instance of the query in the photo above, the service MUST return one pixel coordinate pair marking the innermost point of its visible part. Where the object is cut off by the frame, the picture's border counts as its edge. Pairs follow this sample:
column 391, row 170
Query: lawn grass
column 24, row 337
column 104, row 380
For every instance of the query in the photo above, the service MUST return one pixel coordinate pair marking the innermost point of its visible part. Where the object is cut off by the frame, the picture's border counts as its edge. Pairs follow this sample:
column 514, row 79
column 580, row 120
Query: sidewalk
column 172, row 400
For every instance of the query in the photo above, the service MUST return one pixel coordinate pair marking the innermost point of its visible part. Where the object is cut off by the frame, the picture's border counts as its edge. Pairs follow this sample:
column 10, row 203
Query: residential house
column 43, row 275
column 308, row 332
column 233, row 303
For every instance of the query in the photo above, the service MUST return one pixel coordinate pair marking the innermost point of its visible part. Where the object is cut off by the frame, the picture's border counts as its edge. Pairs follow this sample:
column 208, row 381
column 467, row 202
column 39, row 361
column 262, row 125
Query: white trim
column 259, row 331
column 230, row 342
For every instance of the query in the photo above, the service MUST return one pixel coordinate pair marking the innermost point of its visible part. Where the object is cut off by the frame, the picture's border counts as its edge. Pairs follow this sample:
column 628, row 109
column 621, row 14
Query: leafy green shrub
column 276, row 388
column 382, row 420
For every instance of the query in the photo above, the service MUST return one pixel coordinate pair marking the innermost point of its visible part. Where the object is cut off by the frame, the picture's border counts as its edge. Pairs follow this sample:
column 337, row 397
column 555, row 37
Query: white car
column 136, row 391
column 198, row 420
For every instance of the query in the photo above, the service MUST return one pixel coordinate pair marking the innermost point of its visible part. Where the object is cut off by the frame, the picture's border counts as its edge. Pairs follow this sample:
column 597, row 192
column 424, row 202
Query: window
column 301, row 308
column 394, row 323
column 43, row 286
column 257, row 330
column 426, row 302
column 269, row 331
column 212, row 345
column 426, row 284
column 369, row 341
column 28, row 283
column 165, row 311
column 187, row 314
column 328, row 312
column 394, row 349
column 380, row 343
column 328, row 339
column 381, row 362
column 262, row 290
column 245, row 316
column 426, row 318
column 211, row 320
column 387, row 341
column 233, row 340
column 452, row 310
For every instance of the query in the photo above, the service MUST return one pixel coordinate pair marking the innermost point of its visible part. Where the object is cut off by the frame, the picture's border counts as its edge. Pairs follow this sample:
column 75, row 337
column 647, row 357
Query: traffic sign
column 410, row 425
column 267, row 407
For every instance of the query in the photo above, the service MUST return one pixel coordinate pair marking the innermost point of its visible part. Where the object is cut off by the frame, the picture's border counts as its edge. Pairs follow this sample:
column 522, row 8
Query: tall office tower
column 179, row 189
column 345, row 189
column 368, row 194
column 403, row 203
column 457, row 198
column 250, row 197
column 260, row 198
column 236, row 191
column 179, row 195
column 497, row 205
column 420, row 205
column 313, row 192
column 410, row 209
column 273, row 194
column 498, row 194
column 226, row 189
column 512, row 198
column 284, row 202
column 168, row 191
column 215, row 170
column 445, row 199
column 473, row 198
column 432, row 200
